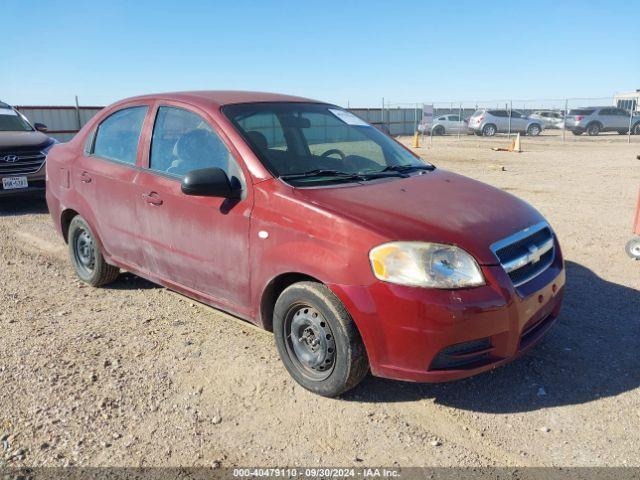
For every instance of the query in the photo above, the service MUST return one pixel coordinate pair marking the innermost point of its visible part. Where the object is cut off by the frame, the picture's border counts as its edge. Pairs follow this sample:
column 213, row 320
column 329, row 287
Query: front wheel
column 86, row 257
column 534, row 130
column 317, row 340
column 633, row 248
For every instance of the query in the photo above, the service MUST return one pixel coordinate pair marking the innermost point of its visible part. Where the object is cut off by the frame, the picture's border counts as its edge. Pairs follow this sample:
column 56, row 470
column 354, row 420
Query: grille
column 526, row 254
column 20, row 163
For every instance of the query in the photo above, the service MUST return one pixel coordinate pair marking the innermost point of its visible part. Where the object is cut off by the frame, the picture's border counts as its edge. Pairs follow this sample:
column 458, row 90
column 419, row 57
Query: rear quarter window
column 581, row 111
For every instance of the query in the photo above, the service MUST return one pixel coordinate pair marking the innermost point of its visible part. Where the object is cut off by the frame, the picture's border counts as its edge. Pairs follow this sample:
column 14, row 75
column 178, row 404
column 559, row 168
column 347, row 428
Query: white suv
column 489, row 122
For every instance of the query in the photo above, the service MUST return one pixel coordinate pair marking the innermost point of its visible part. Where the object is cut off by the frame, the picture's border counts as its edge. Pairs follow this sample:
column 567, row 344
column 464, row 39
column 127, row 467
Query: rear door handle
column 152, row 198
column 85, row 177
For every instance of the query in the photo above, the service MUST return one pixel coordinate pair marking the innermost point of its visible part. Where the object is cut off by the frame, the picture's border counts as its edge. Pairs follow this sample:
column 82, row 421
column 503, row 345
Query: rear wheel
column 534, row 130
column 317, row 340
column 86, row 257
column 635, row 130
column 489, row 130
column 593, row 129
column 633, row 248
column 439, row 130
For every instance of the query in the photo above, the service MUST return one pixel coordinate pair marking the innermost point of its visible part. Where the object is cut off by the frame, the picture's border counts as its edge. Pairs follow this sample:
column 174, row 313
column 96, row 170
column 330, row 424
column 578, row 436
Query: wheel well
column 65, row 221
column 273, row 291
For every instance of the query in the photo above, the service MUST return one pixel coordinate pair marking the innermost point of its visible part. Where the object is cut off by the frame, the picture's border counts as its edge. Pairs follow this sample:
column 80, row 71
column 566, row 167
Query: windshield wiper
column 321, row 173
column 406, row 168
column 338, row 175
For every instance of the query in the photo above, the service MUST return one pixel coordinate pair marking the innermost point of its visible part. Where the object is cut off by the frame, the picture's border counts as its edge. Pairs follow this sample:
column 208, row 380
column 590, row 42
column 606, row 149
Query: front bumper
column 36, row 182
column 428, row 335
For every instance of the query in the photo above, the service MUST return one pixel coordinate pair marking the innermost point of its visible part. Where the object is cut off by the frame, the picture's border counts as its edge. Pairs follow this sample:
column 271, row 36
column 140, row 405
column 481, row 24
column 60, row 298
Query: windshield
column 11, row 121
column 296, row 139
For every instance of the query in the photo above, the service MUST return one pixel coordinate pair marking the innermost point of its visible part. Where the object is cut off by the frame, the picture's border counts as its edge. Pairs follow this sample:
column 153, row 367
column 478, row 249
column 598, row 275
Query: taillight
column 481, row 118
column 579, row 117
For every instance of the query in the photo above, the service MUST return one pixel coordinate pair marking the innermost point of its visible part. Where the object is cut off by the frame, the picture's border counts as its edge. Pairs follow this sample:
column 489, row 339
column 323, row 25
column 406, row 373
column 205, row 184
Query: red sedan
column 300, row 217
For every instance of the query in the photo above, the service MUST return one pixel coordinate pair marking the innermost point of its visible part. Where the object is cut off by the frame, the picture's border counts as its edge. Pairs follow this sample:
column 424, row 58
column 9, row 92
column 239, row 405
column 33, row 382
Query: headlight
column 46, row 149
column 421, row 264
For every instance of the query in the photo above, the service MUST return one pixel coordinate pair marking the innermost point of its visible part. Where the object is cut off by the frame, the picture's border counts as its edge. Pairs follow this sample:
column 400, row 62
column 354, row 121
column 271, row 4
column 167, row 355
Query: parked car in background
column 489, row 122
column 298, row 216
column 549, row 118
column 594, row 120
column 23, row 150
column 450, row 123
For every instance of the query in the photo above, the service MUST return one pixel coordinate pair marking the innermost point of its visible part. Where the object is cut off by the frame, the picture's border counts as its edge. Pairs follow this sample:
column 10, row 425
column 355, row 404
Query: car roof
column 221, row 97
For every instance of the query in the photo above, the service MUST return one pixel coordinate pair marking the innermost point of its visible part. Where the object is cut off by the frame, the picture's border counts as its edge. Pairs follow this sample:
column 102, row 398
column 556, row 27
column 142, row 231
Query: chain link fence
column 562, row 120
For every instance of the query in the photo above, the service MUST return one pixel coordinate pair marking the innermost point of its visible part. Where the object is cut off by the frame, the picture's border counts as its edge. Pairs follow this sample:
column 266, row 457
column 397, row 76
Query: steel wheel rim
column 84, row 251
column 635, row 249
column 310, row 342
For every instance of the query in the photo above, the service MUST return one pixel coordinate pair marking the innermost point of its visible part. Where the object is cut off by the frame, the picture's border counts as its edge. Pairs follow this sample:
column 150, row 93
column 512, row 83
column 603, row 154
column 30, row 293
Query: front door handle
column 85, row 177
column 152, row 198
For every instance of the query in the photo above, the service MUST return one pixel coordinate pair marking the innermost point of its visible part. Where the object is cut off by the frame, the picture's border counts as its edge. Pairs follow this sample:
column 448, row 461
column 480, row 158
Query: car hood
column 438, row 206
column 18, row 141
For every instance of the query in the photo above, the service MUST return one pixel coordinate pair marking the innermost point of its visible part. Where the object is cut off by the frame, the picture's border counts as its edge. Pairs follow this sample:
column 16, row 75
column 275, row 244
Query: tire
column 439, row 130
column 308, row 316
column 534, row 130
column 86, row 257
column 489, row 130
column 635, row 130
column 633, row 248
column 593, row 129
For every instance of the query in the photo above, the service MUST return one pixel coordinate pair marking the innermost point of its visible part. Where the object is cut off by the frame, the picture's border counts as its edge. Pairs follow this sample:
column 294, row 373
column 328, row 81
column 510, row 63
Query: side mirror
column 41, row 127
column 208, row 182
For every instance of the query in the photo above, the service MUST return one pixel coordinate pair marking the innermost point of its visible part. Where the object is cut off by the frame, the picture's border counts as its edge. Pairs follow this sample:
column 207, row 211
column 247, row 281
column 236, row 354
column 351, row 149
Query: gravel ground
column 135, row 375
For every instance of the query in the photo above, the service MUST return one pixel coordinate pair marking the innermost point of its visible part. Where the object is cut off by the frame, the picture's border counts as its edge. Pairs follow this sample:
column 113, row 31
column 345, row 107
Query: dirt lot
column 134, row 375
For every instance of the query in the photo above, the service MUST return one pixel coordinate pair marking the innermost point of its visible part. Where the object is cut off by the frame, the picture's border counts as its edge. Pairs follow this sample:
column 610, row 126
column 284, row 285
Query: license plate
column 10, row 183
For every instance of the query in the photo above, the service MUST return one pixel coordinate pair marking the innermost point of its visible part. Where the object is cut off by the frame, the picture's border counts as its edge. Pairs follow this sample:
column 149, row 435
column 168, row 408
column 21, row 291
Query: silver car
column 449, row 123
column 489, row 122
column 594, row 120
column 549, row 118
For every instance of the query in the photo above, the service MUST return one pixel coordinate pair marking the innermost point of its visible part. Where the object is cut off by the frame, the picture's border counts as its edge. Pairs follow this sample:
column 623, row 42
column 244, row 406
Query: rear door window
column 118, row 135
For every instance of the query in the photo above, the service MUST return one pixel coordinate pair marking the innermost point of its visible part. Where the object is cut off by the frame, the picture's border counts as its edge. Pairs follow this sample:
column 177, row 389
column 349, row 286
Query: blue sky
column 344, row 51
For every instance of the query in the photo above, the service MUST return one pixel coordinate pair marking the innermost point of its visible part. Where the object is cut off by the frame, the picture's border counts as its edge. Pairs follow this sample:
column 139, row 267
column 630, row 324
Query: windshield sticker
column 348, row 118
column 8, row 111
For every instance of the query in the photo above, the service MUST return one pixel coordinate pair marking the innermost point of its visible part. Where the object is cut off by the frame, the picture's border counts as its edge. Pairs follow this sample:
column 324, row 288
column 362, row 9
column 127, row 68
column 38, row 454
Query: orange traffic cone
column 515, row 145
column 416, row 140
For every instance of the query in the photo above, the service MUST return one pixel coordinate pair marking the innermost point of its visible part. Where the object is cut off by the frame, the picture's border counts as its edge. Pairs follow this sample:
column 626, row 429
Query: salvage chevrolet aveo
column 300, row 217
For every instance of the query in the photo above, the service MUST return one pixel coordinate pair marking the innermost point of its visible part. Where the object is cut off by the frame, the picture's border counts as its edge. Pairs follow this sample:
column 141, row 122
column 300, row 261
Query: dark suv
column 23, row 151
